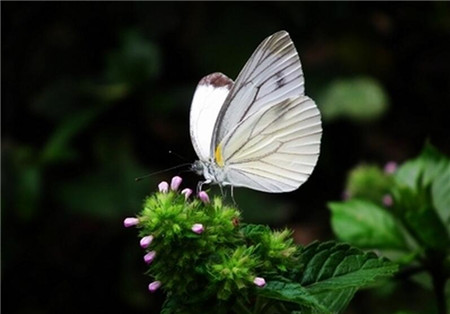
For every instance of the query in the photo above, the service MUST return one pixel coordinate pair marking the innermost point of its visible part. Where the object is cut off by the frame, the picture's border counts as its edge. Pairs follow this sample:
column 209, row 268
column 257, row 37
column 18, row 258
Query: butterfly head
column 211, row 171
column 198, row 167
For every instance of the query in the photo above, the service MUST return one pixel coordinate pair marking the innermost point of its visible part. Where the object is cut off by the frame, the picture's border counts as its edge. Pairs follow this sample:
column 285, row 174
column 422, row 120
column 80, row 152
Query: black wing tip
column 217, row 79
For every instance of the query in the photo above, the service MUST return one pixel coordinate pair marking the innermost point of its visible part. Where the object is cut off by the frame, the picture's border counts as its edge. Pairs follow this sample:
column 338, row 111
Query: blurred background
column 96, row 94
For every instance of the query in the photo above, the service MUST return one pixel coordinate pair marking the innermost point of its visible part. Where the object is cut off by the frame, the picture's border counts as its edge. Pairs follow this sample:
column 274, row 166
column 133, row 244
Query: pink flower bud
column 149, row 257
column 187, row 192
column 390, row 167
column 259, row 281
column 203, row 196
column 198, row 228
column 387, row 200
column 175, row 183
column 130, row 222
column 152, row 287
column 146, row 241
column 163, row 187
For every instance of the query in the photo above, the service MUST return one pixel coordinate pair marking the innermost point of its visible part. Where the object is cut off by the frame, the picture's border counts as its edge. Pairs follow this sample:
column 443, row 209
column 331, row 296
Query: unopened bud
column 146, row 241
column 163, row 187
column 152, row 287
column 259, row 281
column 187, row 192
column 198, row 228
column 175, row 183
column 130, row 222
column 149, row 257
column 203, row 196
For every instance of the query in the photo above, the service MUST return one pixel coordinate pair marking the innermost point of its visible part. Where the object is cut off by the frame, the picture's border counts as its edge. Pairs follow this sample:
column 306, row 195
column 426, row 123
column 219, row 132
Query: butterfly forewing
column 272, row 74
column 209, row 97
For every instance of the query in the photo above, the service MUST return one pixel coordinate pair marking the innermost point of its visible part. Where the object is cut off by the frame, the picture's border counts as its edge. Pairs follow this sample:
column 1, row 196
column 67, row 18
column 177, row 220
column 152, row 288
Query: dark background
column 96, row 94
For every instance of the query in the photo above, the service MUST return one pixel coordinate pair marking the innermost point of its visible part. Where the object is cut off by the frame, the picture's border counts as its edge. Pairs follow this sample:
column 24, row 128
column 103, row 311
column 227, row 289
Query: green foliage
column 220, row 265
column 414, row 224
column 360, row 99
column 366, row 225
column 334, row 272
column 291, row 292
column 135, row 62
column 428, row 176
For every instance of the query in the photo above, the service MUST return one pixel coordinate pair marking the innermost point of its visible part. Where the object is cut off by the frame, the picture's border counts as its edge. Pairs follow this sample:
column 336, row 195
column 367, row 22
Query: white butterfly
column 260, row 132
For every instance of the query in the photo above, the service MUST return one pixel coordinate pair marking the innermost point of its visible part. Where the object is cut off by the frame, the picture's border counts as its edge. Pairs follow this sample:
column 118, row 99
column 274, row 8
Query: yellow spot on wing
column 218, row 156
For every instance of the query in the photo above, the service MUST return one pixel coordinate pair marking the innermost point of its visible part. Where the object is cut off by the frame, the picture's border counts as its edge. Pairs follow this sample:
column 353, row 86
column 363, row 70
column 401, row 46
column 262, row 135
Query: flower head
column 387, row 200
column 149, row 257
column 146, row 241
column 259, row 281
column 187, row 192
column 175, row 183
column 390, row 167
column 130, row 222
column 203, row 197
column 163, row 187
column 198, row 228
column 152, row 287
column 346, row 195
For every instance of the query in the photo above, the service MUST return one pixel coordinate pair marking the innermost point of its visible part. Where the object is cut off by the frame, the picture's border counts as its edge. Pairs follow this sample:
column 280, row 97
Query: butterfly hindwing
column 275, row 149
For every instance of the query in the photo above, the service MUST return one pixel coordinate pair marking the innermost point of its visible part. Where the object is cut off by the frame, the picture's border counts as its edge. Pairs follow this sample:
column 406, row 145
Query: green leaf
column 333, row 272
column 424, row 169
column 24, row 174
column 136, row 61
column 419, row 217
column 365, row 225
column 422, row 197
column 360, row 98
column 58, row 148
column 440, row 191
column 336, row 300
column 291, row 292
column 109, row 191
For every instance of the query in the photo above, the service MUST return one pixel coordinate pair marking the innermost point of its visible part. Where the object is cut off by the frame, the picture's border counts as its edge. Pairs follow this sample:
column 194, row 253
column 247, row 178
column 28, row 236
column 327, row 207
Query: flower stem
column 439, row 277
column 439, row 287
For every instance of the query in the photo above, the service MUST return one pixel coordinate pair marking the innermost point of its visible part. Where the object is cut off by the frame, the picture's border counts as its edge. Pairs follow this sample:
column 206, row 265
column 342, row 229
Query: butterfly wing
column 272, row 74
column 275, row 149
column 209, row 97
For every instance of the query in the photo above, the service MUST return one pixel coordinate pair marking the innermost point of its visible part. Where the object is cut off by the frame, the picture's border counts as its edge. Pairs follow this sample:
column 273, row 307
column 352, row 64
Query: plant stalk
column 439, row 287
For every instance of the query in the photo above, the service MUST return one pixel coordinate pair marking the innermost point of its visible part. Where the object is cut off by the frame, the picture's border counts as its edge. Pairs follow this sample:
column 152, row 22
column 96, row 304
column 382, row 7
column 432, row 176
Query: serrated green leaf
column 336, row 300
column 440, row 191
column 421, row 171
column 291, row 292
column 366, row 225
column 423, row 198
column 419, row 217
column 333, row 272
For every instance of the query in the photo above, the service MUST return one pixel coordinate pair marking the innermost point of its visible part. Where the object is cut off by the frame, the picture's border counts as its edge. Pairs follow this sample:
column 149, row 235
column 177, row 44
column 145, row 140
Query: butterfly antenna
column 161, row 171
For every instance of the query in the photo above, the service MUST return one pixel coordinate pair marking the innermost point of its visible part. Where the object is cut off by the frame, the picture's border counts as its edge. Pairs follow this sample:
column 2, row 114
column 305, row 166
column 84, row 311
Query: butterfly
column 261, row 131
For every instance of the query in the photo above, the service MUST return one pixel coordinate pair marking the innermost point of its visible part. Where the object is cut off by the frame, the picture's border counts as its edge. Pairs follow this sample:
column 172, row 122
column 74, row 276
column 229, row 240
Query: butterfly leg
column 232, row 195
column 200, row 185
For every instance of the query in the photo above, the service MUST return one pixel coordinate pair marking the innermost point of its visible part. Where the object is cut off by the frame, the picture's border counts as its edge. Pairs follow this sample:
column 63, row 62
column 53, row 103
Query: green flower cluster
column 199, row 252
